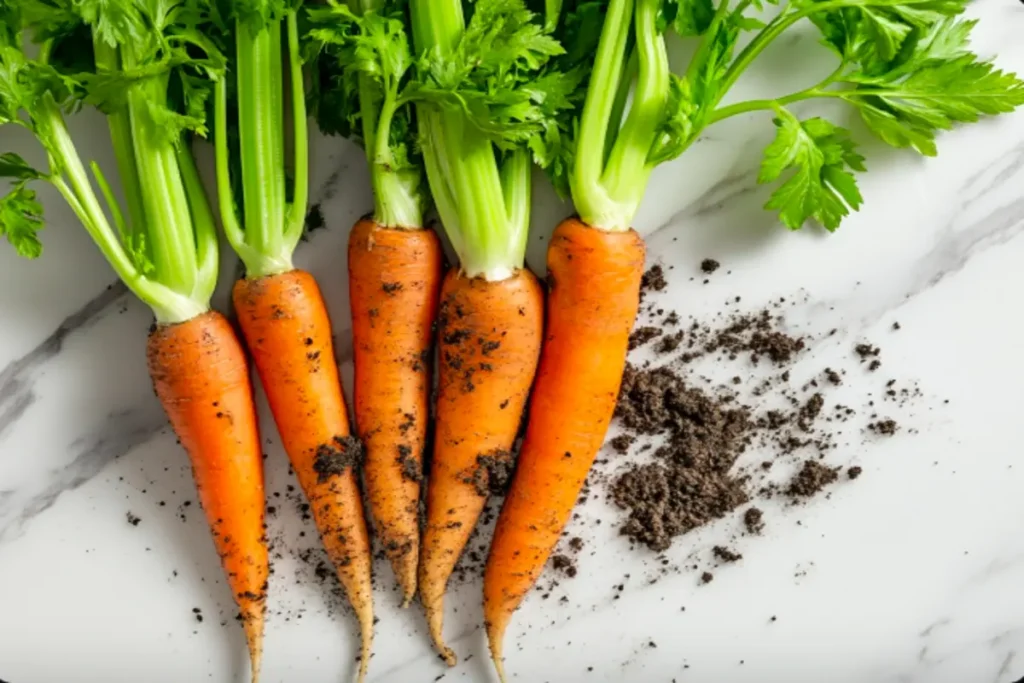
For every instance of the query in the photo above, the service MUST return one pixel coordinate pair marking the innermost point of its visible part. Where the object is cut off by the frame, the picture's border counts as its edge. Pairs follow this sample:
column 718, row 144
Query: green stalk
column 121, row 137
column 300, row 134
column 203, row 223
column 461, row 165
column 619, row 106
column 396, row 200
column 627, row 171
column 168, row 223
column 588, row 192
column 260, row 125
column 168, row 305
column 779, row 24
column 517, row 185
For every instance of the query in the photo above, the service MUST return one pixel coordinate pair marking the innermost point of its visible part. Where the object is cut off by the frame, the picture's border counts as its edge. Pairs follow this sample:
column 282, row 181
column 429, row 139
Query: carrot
column 286, row 327
column 201, row 377
column 394, row 278
column 588, row 324
column 490, row 334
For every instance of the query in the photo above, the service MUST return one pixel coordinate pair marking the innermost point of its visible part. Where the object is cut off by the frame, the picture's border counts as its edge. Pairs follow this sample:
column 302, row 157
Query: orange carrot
column 288, row 332
column 592, row 305
column 490, row 334
column 201, row 377
column 394, row 278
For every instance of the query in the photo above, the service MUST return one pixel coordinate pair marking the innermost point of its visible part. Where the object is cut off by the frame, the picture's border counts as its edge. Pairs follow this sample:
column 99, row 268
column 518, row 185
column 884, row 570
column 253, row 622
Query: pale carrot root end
column 366, row 624
column 435, row 622
column 495, row 639
column 254, row 637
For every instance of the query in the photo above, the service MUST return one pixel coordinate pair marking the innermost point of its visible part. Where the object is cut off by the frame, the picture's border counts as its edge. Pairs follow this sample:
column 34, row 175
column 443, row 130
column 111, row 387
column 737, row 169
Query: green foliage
column 821, row 156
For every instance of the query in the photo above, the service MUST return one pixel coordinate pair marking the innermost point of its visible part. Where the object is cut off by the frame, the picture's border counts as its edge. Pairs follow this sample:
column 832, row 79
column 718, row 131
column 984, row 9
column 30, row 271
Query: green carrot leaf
column 502, row 76
column 21, row 218
column 820, row 156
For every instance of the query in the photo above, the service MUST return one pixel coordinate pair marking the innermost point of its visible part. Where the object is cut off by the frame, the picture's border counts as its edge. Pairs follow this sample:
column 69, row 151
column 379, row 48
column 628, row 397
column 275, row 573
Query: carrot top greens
column 147, row 67
column 904, row 65
column 486, row 100
column 262, row 207
column 364, row 65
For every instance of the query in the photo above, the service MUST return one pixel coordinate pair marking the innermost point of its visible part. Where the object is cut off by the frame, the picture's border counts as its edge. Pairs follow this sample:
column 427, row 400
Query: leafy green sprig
column 904, row 65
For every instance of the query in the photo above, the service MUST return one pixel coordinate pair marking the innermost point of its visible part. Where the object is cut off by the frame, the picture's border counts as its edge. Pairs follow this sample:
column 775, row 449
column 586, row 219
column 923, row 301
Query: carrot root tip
column 499, row 666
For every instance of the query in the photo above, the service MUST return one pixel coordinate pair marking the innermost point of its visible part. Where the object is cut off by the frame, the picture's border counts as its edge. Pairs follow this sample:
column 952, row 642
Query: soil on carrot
column 332, row 459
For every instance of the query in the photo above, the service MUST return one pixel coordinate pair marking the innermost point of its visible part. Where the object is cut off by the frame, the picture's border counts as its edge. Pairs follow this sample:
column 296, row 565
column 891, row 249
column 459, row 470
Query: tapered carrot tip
column 366, row 627
column 407, row 600
column 495, row 638
column 254, row 636
column 435, row 621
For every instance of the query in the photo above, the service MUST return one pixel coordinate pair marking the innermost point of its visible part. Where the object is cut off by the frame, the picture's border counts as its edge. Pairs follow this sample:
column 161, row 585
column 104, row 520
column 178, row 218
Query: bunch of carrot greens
column 904, row 65
column 149, row 69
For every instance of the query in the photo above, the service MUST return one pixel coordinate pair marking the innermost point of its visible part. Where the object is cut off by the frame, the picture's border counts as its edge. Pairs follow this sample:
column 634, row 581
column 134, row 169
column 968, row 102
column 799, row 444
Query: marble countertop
column 912, row 575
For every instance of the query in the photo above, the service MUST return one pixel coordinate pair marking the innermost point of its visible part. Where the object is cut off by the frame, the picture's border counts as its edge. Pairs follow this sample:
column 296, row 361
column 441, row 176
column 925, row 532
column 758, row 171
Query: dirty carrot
column 285, row 323
column 489, row 341
column 477, row 161
column 637, row 114
column 394, row 263
column 163, row 245
column 280, row 309
column 394, row 277
column 201, row 377
column 588, row 326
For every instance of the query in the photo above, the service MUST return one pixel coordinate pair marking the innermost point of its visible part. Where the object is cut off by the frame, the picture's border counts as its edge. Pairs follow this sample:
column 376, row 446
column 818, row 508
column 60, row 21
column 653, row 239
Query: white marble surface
column 873, row 585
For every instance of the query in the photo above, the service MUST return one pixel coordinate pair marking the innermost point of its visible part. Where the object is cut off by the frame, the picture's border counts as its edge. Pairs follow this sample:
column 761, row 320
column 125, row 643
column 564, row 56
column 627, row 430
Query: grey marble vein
column 117, row 435
column 16, row 393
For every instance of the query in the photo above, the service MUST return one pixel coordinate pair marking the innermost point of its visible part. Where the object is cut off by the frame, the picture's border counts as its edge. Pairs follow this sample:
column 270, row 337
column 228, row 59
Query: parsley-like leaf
column 21, row 217
column 821, row 186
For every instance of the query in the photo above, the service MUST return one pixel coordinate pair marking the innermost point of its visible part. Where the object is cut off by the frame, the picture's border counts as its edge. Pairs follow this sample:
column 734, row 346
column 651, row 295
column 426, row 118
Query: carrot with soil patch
column 490, row 322
column 163, row 247
column 280, row 309
column 637, row 114
column 394, row 264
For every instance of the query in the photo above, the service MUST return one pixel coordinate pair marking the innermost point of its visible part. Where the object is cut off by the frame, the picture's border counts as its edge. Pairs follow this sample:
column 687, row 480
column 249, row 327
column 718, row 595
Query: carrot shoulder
column 285, row 323
column 394, row 280
column 592, row 304
column 201, row 377
column 490, row 334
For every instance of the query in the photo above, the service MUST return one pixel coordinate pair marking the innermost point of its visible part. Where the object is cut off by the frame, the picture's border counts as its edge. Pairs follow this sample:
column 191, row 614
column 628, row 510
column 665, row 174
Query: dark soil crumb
column 896, row 327
column 493, row 473
column 854, row 472
column 670, row 343
column 642, row 335
column 133, row 520
column 564, row 564
column 709, row 265
column 576, row 544
column 866, row 351
column 753, row 520
column 833, row 377
column 810, row 411
column 412, row 469
column 653, row 280
column 622, row 442
column 707, row 577
column 886, row 427
column 811, row 479
column 725, row 554
column 332, row 459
